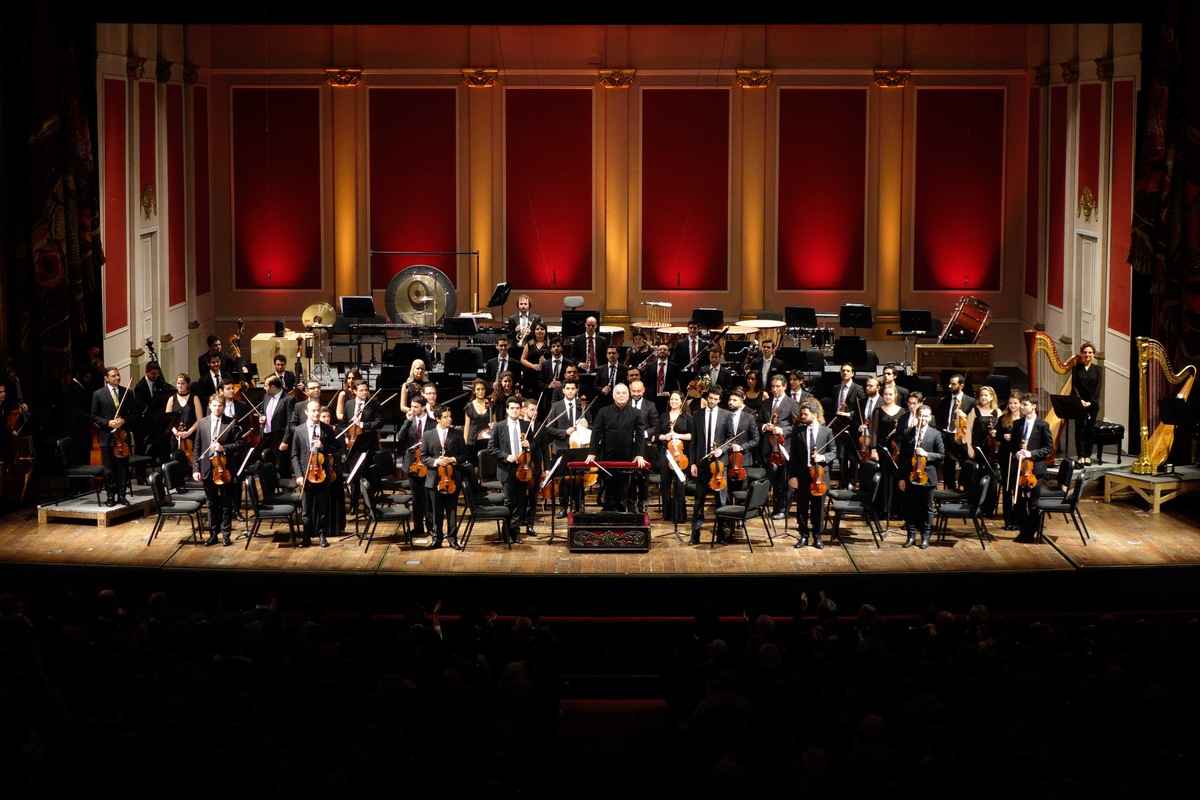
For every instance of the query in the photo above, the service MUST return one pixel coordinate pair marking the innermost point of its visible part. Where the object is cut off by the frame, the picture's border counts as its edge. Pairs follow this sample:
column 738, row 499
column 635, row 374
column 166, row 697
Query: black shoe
column 437, row 542
column 910, row 541
column 517, row 540
column 779, row 515
column 238, row 516
column 110, row 502
column 323, row 541
column 561, row 514
column 924, row 541
column 226, row 541
column 306, row 542
column 454, row 544
column 211, row 541
column 695, row 538
column 803, row 542
column 1023, row 539
column 122, row 500
column 817, row 544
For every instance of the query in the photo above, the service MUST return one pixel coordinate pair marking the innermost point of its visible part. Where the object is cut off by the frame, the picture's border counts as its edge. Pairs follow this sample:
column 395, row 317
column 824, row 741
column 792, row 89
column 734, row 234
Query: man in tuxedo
column 768, row 364
column 640, row 486
column 795, row 388
column 708, row 428
column 1030, row 440
column 274, row 415
column 741, row 431
column 210, row 379
column 112, row 407
column 567, row 416
column 809, row 448
column 860, row 415
column 495, row 367
column 145, row 390
column 609, row 376
column 924, row 441
column 362, row 412
column 889, row 379
column 75, row 415
column 688, row 354
column 417, row 421
column 287, row 379
column 619, row 434
column 954, row 407
column 717, row 370
column 226, row 364
column 316, row 439
column 442, row 447
column 508, row 442
column 552, row 370
column 217, row 437
column 777, row 417
column 845, row 398
column 521, row 323
column 588, row 350
column 662, row 375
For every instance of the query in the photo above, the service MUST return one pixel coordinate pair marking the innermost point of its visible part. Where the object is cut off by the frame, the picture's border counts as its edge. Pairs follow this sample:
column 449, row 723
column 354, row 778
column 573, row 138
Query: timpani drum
column 670, row 334
column 647, row 329
column 767, row 328
column 615, row 334
column 967, row 324
column 739, row 332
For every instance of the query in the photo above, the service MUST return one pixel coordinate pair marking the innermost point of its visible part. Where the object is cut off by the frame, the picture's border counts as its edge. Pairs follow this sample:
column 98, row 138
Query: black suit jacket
column 288, row 378
column 681, row 353
column 778, row 365
column 650, row 378
column 330, row 445
column 801, row 454
column 557, row 429
column 407, row 437
column 141, row 391
column 491, row 370
column 579, row 349
column 854, row 394
column 104, row 411
column 501, row 447
column 281, row 422
column 619, row 433
column 228, row 364
column 935, row 452
column 699, row 450
column 789, row 413
column 1039, row 445
column 204, row 386
column 547, row 374
column 431, row 449
column 515, row 319
column 230, row 437
column 649, row 414
column 747, row 426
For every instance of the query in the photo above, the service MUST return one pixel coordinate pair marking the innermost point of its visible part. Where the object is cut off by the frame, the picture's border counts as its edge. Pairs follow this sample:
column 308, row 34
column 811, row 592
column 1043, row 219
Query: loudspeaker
column 279, row 329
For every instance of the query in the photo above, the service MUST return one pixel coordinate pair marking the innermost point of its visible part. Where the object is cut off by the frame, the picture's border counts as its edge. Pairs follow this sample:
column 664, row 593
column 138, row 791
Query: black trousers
column 810, row 511
column 116, row 472
column 918, row 508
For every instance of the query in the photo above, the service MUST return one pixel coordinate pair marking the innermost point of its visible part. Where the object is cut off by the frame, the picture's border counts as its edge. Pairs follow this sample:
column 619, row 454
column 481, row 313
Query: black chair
column 972, row 510
column 175, row 480
column 737, row 515
column 1068, row 506
column 72, row 471
column 377, row 513
column 270, row 512
column 166, row 508
column 1002, row 384
column 861, row 504
column 478, row 509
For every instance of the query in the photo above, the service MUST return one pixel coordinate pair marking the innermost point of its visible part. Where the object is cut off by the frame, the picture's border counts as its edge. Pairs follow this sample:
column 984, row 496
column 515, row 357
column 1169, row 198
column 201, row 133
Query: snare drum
column 966, row 325
column 820, row 337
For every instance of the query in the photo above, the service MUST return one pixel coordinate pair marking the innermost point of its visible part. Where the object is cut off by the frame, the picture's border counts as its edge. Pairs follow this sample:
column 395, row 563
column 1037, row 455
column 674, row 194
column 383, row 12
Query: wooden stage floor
column 1136, row 559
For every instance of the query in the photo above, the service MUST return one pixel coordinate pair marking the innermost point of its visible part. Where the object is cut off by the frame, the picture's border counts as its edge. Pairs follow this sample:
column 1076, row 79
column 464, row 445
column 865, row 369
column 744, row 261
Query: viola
column 186, row 445
column 1027, row 480
column 718, row 481
column 737, row 472
column 418, row 468
column 918, row 475
column 121, row 443
column 446, row 482
column 220, row 469
column 960, row 430
column 675, row 446
column 817, row 486
column 525, row 463
column 776, row 456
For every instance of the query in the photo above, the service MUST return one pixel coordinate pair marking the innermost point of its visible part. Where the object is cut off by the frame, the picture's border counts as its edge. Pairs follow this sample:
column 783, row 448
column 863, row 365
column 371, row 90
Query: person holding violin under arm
column 920, row 453
column 314, row 451
column 1028, row 445
column 218, row 443
column 444, row 454
column 708, row 432
column 510, row 447
column 112, row 406
column 807, row 472
column 741, row 431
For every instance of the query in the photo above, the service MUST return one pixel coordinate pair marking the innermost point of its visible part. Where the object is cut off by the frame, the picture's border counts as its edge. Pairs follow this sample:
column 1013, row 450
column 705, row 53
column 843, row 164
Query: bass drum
column 968, row 322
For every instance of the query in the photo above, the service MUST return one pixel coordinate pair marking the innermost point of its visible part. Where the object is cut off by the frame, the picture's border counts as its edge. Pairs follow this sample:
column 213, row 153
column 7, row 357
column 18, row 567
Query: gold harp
column 1154, row 374
column 1048, row 374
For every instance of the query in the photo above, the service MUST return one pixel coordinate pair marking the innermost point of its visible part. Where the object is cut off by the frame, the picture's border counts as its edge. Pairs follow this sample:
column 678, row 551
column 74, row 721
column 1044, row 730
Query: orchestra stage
column 1135, row 560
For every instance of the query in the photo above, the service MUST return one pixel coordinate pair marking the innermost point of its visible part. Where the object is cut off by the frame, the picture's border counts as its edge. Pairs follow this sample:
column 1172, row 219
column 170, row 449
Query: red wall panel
column 176, row 229
column 1033, row 192
column 115, row 220
column 413, row 179
column 685, row 189
column 1121, row 207
column 147, row 138
column 822, row 188
column 1056, row 197
column 276, row 188
column 200, row 192
column 959, row 189
column 1088, row 169
column 548, row 188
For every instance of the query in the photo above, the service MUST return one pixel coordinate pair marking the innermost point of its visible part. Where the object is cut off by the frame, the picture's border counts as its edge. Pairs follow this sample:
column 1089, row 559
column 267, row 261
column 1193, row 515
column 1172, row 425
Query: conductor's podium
column 607, row 531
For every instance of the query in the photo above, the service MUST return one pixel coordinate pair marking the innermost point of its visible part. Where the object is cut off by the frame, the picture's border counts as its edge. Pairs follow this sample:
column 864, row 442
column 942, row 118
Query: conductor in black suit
column 618, row 434
column 217, row 436
column 112, row 407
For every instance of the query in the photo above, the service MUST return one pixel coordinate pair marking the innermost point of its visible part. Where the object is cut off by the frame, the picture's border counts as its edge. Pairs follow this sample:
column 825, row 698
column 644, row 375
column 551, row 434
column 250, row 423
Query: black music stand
column 556, row 471
column 803, row 317
column 855, row 315
column 709, row 319
column 500, row 297
column 460, row 327
column 891, row 471
column 1067, row 407
column 359, row 308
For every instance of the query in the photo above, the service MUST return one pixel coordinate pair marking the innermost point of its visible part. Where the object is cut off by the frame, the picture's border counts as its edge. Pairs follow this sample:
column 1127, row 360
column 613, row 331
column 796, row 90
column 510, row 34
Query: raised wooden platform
column 1154, row 489
column 84, row 507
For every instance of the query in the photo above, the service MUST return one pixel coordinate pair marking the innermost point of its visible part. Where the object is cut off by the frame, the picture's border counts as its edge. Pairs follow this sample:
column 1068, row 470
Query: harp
column 1154, row 375
column 1048, row 374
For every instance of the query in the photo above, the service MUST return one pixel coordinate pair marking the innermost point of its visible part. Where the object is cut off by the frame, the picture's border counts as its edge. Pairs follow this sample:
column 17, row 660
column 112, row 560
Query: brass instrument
column 1156, row 444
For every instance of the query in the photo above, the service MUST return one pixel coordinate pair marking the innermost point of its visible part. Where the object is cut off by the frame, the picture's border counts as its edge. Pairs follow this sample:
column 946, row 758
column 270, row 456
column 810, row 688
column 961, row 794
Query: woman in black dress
column 1086, row 382
column 983, row 446
column 885, row 436
column 535, row 351
column 675, row 425
column 478, row 418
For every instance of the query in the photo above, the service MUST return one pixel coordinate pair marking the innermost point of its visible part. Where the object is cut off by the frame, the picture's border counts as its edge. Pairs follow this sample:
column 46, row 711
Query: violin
column 675, row 447
column 960, row 430
column 120, row 435
column 776, row 456
column 186, row 445
column 320, row 467
column 1026, row 480
column 817, row 486
column 446, row 482
column 737, row 472
column 220, row 469
column 418, row 468
column 525, row 463
column 864, row 437
column 718, row 481
column 918, row 475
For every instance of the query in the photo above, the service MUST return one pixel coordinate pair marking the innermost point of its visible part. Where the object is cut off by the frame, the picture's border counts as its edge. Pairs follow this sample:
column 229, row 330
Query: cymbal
column 318, row 314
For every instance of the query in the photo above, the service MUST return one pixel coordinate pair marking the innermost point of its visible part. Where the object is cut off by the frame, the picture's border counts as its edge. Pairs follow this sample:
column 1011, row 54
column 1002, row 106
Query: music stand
column 500, row 297
column 916, row 323
column 850, row 350
column 1067, row 407
column 460, row 327
column 350, row 483
column 709, row 319
column 556, row 471
column 890, row 469
column 803, row 317
column 855, row 315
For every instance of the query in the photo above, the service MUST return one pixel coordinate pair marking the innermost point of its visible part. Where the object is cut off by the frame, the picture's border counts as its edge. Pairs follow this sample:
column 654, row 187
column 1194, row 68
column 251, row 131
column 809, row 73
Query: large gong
column 420, row 295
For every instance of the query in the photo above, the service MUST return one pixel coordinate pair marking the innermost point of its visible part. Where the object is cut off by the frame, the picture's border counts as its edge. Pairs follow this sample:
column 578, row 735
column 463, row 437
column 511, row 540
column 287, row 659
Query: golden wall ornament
column 149, row 201
column 162, row 71
column 1070, row 72
column 135, row 68
column 480, row 78
column 617, row 78
column 1087, row 205
column 343, row 77
column 754, row 78
column 892, row 78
